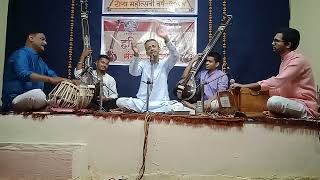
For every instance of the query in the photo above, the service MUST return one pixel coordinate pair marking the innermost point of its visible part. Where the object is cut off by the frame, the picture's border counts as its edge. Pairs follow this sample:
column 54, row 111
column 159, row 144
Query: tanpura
column 86, row 74
column 187, row 88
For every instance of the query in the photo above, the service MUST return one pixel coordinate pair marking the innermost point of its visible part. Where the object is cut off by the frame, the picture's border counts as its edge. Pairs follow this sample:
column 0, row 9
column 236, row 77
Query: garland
column 225, row 66
column 71, row 35
column 210, row 20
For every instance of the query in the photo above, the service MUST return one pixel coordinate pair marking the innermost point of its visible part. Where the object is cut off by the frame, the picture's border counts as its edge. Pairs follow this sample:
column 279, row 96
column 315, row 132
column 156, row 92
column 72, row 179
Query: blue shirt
column 215, row 81
column 17, row 71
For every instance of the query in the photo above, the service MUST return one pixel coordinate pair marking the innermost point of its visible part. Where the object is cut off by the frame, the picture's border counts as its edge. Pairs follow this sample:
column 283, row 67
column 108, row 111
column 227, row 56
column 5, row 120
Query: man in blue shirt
column 25, row 73
column 215, row 80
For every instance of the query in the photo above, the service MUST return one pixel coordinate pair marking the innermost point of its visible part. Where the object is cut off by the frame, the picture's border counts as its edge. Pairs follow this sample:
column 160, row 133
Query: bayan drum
column 64, row 95
column 86, row 93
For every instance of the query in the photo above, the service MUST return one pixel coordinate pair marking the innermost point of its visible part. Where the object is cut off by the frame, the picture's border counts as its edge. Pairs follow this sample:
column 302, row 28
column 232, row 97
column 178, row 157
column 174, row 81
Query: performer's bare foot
column 126, row 110
column 187, row 104
column 271, row 114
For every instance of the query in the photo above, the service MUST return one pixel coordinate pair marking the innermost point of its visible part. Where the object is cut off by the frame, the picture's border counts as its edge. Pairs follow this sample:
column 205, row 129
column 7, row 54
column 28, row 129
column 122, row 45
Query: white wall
column 179, row 151
column 3, row 28
column 305, row 17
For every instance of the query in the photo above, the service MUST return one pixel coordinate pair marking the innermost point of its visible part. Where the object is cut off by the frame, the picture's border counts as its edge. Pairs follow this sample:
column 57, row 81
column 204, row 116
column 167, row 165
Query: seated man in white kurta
column 110, row 93
column 155, row 71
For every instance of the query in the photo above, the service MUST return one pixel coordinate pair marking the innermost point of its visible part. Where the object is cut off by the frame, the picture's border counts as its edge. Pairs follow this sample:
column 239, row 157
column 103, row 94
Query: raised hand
column 134, row 48
column 163, row 33
column 85, row 53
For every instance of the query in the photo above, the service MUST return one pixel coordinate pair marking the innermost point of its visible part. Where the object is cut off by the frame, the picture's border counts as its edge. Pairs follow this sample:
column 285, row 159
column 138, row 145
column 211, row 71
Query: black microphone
column 149, row 81
column 232, row 81
column 152, row 58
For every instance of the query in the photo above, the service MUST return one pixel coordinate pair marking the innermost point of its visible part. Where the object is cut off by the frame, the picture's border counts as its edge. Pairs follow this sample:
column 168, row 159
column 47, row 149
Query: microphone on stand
column 148, row 93
column 152, row 58
column 232, row 81
column 149, row 82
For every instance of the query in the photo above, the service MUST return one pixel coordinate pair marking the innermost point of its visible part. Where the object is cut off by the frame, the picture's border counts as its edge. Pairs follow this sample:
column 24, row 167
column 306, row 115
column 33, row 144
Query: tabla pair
column 68, row 95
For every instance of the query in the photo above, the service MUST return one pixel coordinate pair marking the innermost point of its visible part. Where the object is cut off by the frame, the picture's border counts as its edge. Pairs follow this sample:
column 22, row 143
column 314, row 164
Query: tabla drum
column 64, row 95
column 86, row 93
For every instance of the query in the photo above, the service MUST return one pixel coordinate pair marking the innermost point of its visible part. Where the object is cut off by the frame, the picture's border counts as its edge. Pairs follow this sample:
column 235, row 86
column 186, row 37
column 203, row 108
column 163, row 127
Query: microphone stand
column 202, row 95
column 149, row 83
column 88, row 70
column 101, row 94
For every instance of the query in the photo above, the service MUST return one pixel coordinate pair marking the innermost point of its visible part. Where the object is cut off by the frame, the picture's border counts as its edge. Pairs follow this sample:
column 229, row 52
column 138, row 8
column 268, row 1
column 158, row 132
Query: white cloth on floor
column 31, row 100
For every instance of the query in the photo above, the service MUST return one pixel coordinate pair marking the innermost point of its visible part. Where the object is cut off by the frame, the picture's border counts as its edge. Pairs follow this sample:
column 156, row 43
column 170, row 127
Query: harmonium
column 248, row 101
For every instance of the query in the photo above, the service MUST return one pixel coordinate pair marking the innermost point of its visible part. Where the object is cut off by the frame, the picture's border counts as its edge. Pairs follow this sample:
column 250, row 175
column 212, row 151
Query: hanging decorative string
column 210, row 20
column 71, row 33
column 147, row 119
column 225, row 66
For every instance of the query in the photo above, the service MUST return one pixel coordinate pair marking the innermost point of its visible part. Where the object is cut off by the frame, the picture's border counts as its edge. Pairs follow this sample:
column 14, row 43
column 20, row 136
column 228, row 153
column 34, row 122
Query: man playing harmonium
column 292, row 91
column 110, row 93
column 24, row 76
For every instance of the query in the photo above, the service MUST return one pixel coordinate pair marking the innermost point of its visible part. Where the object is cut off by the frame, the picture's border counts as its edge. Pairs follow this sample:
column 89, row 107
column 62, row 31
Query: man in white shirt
column 110, row 93
column 155, row 72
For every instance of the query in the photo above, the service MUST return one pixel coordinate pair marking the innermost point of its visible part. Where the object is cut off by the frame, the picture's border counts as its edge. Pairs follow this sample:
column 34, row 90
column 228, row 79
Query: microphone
column 149, row 89
column 149, row 81
column 232, row 81
column 152, row 58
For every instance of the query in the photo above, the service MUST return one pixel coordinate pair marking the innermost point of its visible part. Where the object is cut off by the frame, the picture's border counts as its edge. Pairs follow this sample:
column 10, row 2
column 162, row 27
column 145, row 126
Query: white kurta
column 110, row 86
column 158, row 75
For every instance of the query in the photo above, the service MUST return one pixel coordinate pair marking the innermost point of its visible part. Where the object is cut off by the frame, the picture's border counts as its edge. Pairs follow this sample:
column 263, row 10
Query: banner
column 118, row 33
column 150, row 7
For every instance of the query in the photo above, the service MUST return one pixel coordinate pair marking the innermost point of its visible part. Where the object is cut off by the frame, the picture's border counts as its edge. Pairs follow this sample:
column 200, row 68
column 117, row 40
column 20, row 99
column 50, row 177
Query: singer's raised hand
column 163, row 33
column 134, row 48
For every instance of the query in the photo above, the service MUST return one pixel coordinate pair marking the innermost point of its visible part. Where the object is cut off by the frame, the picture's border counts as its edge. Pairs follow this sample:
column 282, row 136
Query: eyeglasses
column 277, row 40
